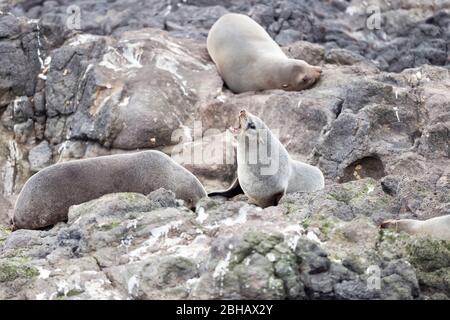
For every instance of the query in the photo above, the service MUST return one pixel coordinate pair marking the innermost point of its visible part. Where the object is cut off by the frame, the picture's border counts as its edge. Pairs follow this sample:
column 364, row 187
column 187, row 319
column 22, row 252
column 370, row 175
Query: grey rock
column 165, row 198
column 307, row 51
column 354, row 289
column 22, row 110
column 24, row 131
column 5, row 207
column 343, row 56
column 40, row 156
column 288, row 36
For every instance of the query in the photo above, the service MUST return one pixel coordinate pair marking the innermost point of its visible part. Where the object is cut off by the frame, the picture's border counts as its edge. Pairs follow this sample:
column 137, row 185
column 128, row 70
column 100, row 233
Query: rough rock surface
column 127, row 245
column 136, row 75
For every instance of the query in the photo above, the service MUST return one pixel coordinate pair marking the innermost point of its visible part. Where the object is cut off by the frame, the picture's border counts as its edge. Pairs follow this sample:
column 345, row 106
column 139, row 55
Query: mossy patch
column 326, row 223
column 290, row 208
column 429, row 255
column 326, row 228
column 129, row 196
column 356, row 191
column 305, row 223
column 438, row 280
column 70, row 293
column 111, row 203
column 14, row 268
column 388, row 236
column 422, row 190
column 340, row 196
column 109, row 226
column 392, row 245
column 431, row 259
column 256, row 241
column 4, row 233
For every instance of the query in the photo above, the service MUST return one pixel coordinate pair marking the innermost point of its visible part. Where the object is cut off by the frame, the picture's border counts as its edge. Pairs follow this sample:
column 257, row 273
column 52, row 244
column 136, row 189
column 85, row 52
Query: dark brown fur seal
column 46, row 197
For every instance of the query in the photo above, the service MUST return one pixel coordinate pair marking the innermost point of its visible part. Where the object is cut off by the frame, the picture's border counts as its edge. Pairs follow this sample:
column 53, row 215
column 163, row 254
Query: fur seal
column 46, row 197
column 249, row 60
column 265, row 177
column 437, row 228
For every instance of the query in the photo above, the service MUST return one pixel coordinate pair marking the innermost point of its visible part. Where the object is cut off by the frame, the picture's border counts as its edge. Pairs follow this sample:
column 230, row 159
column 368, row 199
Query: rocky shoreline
column 377, row 124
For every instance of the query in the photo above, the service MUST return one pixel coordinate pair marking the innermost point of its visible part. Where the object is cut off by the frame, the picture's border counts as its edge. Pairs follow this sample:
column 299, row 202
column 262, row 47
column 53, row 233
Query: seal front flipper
column 232, row 191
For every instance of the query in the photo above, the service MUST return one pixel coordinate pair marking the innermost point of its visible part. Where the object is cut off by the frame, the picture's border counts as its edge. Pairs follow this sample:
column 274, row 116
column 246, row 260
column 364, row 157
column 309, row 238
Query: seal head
column 299, row 75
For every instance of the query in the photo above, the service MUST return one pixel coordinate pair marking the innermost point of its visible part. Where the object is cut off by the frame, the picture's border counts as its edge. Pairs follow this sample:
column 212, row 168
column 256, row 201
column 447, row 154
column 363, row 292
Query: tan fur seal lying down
column 436, row 228
column 265, row 170
column 46, row 197
column 249, row 60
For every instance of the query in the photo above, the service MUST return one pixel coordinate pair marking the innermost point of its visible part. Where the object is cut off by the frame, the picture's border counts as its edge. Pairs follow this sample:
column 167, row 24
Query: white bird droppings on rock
column 202, row 215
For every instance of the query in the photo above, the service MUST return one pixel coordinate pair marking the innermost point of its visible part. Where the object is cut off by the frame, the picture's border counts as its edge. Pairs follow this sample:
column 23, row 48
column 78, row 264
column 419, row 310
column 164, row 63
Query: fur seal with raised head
column 265, row 170
column 46, row 197
column 437, row 228
column 249, row 60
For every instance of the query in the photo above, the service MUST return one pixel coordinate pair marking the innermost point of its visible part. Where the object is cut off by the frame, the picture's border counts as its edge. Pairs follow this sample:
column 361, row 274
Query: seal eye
column 251, row 125
column 285, row 86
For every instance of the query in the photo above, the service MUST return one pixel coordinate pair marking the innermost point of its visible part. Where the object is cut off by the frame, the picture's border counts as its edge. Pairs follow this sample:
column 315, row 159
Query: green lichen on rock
column 109, row 226
column 290, row 208
column 4, row 233
column 321, row 221
column 392, row 245
column 125, row 202
column 258, row 241
column 438, row 280
column 363, row 195
column 71, row 293
column 130, row 197
column 286, row 268
column 355, row 262
column 262, row 265
column 340, row 195
column 431, row 259
column 429, row 255
column 326, row 227
column 14, row 268
column 305, row 223
column 353, row 190
column 257, row 278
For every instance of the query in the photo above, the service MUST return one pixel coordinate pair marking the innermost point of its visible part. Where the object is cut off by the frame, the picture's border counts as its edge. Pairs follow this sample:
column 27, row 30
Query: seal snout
column 313, row 76
column 242, row 116
column 389, row 224
column 317, row 71
column 386, row 224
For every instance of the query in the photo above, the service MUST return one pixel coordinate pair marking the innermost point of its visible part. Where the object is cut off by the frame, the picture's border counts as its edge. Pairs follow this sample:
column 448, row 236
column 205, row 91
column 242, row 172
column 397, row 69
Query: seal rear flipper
column 232, row 191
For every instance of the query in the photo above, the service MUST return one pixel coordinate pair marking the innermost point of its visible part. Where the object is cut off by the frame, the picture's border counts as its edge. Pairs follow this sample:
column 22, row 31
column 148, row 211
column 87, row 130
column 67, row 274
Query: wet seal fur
column 46, row 197
column 249, row 60
column 436, row 228
column 256, row 176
